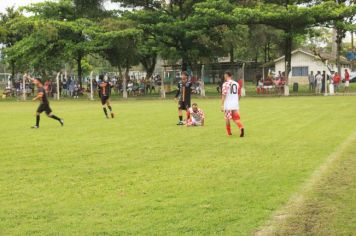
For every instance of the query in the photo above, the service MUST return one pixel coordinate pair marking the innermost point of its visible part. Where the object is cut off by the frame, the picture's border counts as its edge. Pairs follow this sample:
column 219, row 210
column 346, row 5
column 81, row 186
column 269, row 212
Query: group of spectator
column 272, row 84
column 318, row 82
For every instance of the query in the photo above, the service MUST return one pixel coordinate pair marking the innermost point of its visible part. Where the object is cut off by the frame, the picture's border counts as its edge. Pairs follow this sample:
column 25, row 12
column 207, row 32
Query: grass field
column 140, row 174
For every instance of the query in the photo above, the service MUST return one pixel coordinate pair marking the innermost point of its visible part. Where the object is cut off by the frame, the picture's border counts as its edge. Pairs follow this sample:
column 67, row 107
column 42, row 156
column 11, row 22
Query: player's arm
column 222, row 101
column 178, row 93
column 38, row 97
column 202, row 118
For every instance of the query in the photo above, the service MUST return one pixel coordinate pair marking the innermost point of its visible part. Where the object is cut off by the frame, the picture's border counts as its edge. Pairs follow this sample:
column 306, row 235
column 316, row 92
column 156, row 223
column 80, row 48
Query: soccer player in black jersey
column 183, row 96
column 104, row 94
column 44, row 104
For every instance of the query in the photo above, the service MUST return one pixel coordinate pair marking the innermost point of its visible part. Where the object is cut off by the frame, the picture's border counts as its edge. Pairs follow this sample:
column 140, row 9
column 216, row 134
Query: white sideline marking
column 299, row 198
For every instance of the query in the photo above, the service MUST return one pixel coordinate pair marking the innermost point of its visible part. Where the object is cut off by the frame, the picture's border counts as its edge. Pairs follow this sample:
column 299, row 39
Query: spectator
column 347, row 81
column 336, row 81
column 71, row 87
column 311, row 81
column 76, row 91
column 130, row 86
column 323, row 82
column 318, row 79
column 65, row 87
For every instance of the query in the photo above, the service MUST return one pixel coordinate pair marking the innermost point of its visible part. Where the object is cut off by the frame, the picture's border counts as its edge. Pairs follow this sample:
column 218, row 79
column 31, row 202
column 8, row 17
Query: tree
column 75, row 21
column 9, row 36
column 175, row 27
column 119, row 45
column 292, row 18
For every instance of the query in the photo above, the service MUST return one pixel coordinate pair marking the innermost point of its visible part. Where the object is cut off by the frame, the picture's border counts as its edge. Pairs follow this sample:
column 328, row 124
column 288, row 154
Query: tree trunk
column 288, row 55
column 231, row 54
column 339, row 37
column 12, row 64
column 149, row 64
column 124, row 82
column 80, row 71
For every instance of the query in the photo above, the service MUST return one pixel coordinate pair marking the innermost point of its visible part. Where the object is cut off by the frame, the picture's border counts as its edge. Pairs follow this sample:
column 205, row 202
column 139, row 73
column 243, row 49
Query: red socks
column 228, row 129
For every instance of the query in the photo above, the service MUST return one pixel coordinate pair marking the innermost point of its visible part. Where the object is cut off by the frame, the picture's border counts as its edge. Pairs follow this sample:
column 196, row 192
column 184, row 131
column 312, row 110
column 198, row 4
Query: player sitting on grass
column 231, row 93
column 195, row 116
column 44, row 104
column 104, row 94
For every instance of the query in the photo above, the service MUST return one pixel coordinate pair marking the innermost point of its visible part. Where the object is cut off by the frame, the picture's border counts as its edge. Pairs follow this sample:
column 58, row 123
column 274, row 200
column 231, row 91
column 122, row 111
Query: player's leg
column 227, row 115
column 50, row 115
column 180, row 113
column 40, row 109
column 110, row 108
column 103, row 103
column 186, row 108
column 237, row 121
column 38, row 117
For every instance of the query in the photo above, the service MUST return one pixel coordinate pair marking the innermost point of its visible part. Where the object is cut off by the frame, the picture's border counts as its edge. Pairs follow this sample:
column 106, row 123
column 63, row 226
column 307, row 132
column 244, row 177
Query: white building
column 305, row 62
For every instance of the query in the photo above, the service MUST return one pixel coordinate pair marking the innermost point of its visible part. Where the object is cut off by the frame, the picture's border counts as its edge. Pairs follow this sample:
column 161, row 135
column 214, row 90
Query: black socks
column 37, row 120
column 105, row 111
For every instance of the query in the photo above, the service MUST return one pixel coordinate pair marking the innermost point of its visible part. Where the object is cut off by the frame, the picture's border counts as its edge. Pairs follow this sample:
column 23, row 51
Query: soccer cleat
column 112, row 115
column 61, row 121
column 180, row 123
column 242, row 132
column 35, row 127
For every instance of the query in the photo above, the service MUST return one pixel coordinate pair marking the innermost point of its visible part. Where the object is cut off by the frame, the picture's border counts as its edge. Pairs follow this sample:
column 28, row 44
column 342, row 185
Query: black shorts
column 104, row 99
column 44, row 108
column 183, row 105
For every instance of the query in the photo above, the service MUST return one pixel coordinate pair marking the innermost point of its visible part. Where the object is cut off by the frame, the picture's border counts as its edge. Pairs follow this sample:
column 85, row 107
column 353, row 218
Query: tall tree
column 10, row 35
column 292, row 18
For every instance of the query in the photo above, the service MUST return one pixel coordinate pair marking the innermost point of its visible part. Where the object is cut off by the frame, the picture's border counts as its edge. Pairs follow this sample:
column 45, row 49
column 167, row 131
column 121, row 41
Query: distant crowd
column 70, row 87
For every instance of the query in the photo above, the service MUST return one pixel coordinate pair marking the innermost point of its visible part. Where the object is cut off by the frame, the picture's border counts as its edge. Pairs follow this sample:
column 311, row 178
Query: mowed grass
column 140, row 174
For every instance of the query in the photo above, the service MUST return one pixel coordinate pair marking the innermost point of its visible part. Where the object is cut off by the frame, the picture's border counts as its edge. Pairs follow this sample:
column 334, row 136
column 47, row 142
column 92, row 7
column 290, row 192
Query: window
column 300, row 71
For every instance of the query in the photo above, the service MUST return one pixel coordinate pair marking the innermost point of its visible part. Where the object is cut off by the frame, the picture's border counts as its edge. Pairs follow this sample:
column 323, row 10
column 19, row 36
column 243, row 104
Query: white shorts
column 193, row 122
column 347, row 83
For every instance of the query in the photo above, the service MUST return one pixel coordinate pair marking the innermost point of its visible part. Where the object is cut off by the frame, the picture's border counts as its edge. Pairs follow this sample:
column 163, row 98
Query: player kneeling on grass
column 231, row 93
column 44, row 104
column 195, row 116
column 104, row 94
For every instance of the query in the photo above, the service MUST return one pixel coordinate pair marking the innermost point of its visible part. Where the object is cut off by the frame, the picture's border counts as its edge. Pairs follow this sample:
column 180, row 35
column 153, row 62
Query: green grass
column 329, row 208
column 141, row 174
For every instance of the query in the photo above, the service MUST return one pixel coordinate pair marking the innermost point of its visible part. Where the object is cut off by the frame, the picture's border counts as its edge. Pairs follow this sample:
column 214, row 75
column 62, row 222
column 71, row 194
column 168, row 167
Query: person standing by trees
column 336, row 81
column 347, row 81
column 311, row 81
column 318, row 79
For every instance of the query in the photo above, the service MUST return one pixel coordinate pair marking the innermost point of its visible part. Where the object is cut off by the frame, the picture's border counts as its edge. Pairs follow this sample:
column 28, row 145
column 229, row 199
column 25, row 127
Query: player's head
column 195, row 107
column 37, row 82
column 184, row 76
column 227, row 75
column 101, row 77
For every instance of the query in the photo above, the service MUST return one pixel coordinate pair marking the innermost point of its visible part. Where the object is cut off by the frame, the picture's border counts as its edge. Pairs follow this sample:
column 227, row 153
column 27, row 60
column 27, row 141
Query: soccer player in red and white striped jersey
column 231, row 92
column 196, row 116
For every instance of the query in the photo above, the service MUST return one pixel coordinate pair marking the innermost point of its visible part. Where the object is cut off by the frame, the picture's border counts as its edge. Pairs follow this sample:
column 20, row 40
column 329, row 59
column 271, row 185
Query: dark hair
column 194, row 104
column 228, row 73
column 39, row 80
column 101, row 77
column 185, row 73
